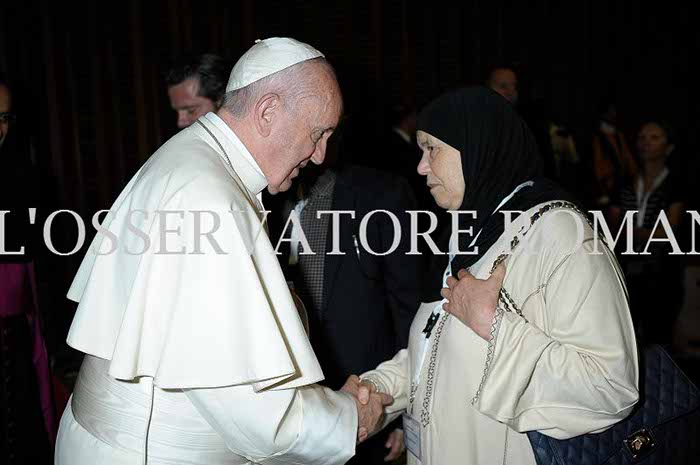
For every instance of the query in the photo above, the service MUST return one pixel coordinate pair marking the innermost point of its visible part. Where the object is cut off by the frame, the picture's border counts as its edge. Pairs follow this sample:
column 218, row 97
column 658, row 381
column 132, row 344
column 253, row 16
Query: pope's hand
column 473, row 301
column 370, row 405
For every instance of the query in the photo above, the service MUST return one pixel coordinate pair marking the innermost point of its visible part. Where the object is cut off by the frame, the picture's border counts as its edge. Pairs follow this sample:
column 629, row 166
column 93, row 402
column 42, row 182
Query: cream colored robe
column 197, row 357
column 567, row 367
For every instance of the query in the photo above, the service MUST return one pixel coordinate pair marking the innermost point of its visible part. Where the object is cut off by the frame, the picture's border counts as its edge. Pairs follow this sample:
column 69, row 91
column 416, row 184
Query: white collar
column 235, row 156
column 643, row 198
column 233, row 138
column 453, row 244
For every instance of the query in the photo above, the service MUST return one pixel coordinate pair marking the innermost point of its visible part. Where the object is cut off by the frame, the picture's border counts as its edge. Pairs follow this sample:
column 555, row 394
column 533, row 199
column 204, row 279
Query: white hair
column 291, row 84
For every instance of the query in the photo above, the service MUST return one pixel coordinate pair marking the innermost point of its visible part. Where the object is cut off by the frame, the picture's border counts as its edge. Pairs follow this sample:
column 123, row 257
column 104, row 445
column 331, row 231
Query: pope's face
column 307, row 128
column 187, row 104
column 5, row 107
column 441, row 164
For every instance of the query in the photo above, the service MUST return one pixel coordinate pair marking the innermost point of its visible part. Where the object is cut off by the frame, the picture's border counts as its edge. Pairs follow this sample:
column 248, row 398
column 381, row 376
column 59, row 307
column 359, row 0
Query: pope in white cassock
column 194, row 350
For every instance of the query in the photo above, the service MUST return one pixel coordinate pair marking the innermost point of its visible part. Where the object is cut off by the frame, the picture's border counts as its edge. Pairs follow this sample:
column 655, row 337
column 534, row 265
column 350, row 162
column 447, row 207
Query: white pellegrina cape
column 189, row 327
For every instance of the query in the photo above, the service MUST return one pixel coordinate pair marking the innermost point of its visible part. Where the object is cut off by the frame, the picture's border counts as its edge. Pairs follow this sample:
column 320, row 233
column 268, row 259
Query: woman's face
column 652, row 142
column 442, row 166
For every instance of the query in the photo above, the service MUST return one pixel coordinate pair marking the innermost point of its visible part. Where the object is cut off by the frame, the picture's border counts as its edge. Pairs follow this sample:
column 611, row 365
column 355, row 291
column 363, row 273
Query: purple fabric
column 14, row 287
column 17, row 297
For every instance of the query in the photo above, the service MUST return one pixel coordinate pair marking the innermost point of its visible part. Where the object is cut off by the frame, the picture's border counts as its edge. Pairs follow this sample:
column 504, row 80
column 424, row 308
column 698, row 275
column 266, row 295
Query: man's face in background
column 5, row 107
column 187, row 103
column 505, row 82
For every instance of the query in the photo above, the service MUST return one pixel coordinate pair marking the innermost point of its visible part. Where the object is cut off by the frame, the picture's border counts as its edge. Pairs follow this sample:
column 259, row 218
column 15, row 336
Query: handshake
column 370, row 406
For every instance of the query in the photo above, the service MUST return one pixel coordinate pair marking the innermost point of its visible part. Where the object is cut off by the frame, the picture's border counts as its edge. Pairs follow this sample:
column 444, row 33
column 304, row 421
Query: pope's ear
column 266, row 110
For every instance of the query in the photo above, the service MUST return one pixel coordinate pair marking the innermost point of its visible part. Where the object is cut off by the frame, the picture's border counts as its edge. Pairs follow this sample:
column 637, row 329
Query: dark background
column 90, row 94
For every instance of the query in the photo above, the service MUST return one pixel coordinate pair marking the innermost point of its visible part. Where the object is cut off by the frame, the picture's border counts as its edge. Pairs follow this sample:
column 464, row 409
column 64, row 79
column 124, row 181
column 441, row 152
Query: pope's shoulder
column 186, row 168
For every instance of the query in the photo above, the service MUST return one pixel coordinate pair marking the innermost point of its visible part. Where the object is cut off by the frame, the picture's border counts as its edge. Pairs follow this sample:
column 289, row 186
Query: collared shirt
column 321, row 197
column 309, row 280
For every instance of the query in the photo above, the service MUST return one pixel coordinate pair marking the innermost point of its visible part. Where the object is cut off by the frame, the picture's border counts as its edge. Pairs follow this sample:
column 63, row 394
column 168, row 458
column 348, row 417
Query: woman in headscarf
column 536, row 335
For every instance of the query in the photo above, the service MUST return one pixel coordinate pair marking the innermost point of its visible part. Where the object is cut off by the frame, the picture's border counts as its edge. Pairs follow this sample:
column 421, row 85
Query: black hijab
column 498, row 154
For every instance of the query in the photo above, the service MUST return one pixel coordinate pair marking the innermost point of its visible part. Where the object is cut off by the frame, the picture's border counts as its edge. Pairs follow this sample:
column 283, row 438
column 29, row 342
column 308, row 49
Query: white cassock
column 195, row 351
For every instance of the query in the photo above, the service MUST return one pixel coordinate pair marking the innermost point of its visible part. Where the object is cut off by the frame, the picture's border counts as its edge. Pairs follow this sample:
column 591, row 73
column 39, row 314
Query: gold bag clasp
column 640, row 443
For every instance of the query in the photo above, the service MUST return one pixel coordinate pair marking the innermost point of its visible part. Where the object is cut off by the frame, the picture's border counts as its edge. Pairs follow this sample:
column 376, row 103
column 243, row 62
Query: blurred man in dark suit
column 360, row 305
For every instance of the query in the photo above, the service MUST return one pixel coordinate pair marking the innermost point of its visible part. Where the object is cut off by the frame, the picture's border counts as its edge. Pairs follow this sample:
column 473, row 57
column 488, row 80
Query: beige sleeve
column 579, row 374
column 392, row 378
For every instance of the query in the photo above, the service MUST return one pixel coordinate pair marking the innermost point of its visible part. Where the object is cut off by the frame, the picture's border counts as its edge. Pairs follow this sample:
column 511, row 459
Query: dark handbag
column 664, row 427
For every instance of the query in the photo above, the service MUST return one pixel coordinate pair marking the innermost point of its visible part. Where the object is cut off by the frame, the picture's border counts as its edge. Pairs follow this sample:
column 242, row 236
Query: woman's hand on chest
column 473, row 301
